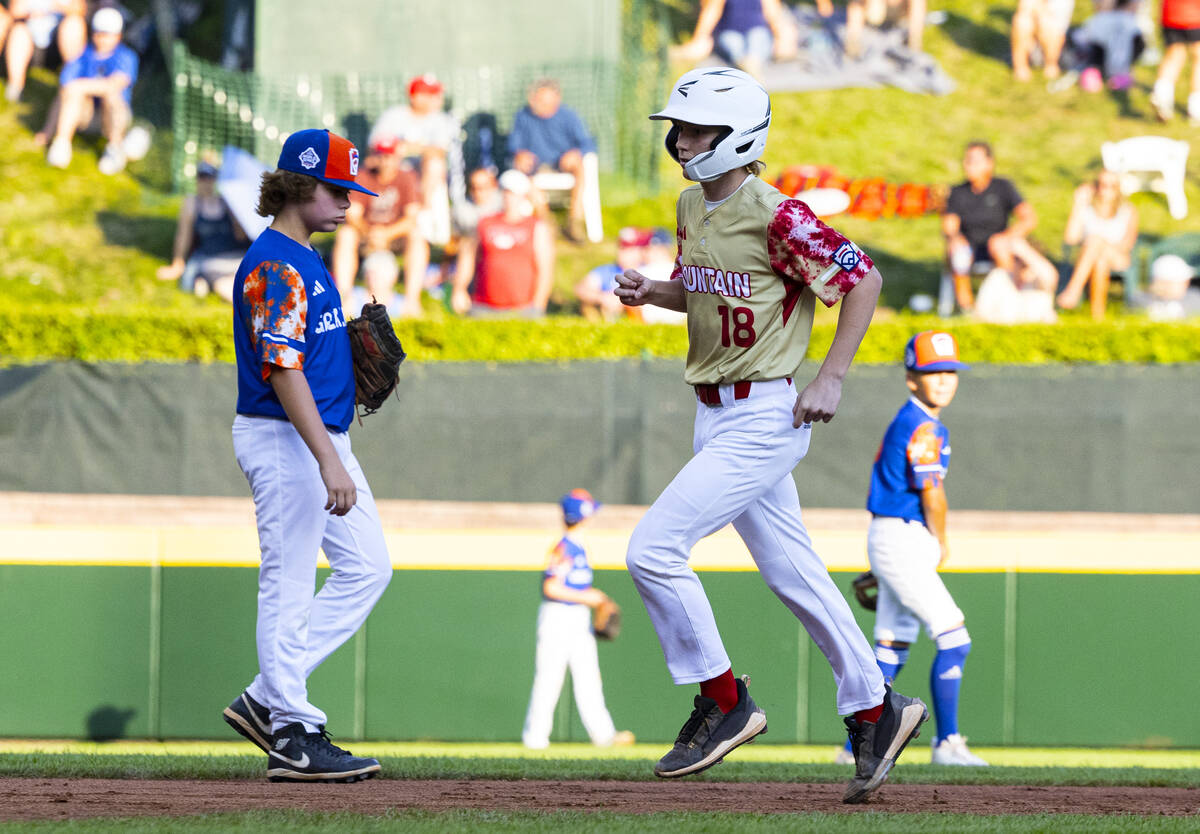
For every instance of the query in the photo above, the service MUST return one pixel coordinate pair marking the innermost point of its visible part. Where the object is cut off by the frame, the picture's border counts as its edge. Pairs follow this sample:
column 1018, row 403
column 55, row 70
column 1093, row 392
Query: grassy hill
column 80, row 238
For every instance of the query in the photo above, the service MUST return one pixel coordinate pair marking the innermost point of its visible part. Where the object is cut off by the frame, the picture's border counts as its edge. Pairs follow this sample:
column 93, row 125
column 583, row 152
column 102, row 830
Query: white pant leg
column 362, row 568
column 904, row 558
column 289, row 501
column 585, row 680
column 550, row 669
column 774, row 532
column 743, row 450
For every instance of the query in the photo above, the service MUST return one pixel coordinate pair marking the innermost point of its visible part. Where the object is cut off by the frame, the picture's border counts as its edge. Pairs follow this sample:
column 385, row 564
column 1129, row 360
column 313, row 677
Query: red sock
column 869, row 716
column 722, row 689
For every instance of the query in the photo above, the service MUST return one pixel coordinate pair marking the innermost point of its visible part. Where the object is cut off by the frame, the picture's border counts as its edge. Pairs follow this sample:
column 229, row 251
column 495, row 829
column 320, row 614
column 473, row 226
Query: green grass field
column 760, row 763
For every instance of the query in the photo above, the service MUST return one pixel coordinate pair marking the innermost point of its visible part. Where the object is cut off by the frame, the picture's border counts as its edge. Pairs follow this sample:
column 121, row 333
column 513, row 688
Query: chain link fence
column 214, row 107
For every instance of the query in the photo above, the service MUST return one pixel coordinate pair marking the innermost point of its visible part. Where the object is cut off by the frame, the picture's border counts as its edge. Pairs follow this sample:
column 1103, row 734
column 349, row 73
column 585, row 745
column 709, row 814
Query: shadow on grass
column 152, row 235
column 904, row 277
column 986, row 41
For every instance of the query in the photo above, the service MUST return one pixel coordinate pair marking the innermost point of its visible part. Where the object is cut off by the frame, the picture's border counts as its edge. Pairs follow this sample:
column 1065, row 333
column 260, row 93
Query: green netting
column 214, row 107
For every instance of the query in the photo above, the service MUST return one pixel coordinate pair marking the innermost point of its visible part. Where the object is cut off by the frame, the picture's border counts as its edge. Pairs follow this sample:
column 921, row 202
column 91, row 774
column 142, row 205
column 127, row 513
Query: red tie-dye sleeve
column 804, row 249
column 278, row 309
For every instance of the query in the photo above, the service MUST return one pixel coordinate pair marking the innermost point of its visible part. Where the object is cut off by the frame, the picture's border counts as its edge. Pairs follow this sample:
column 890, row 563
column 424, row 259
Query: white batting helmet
column 719, row 97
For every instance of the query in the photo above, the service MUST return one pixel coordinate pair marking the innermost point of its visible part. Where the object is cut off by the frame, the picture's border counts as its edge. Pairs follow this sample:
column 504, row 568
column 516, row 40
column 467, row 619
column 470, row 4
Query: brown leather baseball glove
column 866, row 589
column 377, row 356
column 606, row 620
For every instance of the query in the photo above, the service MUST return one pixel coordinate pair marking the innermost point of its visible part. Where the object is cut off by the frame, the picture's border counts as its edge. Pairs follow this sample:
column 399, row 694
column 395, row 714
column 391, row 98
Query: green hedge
column 41, row 334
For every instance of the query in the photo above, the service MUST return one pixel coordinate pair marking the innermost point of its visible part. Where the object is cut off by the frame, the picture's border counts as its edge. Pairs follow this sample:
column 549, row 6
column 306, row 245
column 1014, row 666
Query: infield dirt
column 58, row 799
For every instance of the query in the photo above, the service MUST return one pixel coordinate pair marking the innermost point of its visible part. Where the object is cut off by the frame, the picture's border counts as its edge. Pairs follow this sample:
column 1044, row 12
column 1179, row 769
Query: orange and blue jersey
column 568, row 562
column 287, row 313
column 914, row 454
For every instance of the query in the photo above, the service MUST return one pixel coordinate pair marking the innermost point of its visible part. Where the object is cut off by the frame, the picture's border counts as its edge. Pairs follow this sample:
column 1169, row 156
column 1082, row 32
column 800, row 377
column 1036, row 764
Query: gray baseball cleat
column 251, row 720
column 708, row 734
column 300, row 756
column 877, row 746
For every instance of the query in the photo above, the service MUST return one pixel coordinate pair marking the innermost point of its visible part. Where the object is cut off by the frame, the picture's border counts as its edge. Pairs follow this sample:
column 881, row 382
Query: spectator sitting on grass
column 879, row 13
column 94, row 94
column 597, row 301
column 976, row 227
column 509, row 263
column 1044, row 24
column 209, row 243
column 1170, row 295
column 1106, row 45
column 380, row 227
column 548, row 134
column 36, row 25
column 430, row 142
column 742, row 33
column 1105, row 226
column 483, row 199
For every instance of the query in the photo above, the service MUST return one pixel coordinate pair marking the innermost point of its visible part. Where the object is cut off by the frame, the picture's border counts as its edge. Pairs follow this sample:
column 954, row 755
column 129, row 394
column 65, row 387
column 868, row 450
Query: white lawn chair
column 559, row 181
column 1150, row 163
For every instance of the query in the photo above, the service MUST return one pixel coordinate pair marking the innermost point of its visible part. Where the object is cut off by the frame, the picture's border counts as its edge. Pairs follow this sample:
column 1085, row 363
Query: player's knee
column 641, row 558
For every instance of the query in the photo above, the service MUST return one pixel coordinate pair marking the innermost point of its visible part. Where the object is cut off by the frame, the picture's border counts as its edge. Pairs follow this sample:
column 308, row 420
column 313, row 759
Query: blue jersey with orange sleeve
column 568, row 562
column 914, row 454
column 287, row 312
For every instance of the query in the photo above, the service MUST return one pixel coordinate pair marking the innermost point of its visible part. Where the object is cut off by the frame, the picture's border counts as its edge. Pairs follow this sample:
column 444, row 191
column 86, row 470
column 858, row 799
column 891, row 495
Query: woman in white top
column 1105, row 225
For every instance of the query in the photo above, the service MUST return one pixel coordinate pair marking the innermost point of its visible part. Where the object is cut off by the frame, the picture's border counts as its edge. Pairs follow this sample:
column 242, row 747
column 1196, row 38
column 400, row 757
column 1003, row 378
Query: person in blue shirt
column 906, row 542
column 94, row 93
column 295, row 402
column 565, row 638
column 547, row 134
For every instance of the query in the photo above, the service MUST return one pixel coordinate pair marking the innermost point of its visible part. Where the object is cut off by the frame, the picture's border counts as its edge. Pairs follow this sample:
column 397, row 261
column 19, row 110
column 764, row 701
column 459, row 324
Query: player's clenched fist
column 633, row 287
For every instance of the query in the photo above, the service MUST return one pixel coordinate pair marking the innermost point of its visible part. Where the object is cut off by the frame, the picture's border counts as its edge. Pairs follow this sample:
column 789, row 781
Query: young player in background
column 906, row 542
column 565, row 638
column 295, row 402
column 751, row 264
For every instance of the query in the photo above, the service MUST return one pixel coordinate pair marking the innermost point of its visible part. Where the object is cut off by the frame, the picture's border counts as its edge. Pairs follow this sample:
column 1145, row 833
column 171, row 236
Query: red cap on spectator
column 426, row 83
column 633, row 236
column 385, row 145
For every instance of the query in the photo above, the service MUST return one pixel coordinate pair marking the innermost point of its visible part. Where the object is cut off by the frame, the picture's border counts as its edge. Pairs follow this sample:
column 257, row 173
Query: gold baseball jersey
column 752, row 268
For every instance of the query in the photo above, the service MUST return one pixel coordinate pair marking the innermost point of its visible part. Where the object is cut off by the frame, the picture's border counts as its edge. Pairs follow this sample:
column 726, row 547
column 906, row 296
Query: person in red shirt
column 1181, row 36
column 509, row 262
column 380, row 227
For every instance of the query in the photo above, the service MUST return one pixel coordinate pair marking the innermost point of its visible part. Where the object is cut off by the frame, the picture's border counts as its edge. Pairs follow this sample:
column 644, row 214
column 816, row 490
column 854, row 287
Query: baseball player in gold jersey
column 751, row 264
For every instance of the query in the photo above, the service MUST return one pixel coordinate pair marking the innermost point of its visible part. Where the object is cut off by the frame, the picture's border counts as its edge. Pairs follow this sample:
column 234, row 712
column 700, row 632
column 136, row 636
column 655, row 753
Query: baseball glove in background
column 866, row 589
column 606, row 620
column 377, row 356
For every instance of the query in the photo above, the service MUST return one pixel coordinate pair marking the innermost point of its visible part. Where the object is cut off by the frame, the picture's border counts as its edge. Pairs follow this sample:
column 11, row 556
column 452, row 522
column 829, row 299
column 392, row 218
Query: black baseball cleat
column 301, row 756
column 708, row 734
column 877, row 746
column 251, row 720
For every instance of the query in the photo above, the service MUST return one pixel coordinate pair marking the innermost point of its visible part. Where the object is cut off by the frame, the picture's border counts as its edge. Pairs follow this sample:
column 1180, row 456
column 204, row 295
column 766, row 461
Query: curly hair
column 282, row 188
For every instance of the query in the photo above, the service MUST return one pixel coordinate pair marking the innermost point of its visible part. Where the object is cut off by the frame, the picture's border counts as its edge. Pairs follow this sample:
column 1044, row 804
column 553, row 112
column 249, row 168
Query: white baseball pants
column 565, row 639
column 742, row 473
column 296, row 631
column 904, row 558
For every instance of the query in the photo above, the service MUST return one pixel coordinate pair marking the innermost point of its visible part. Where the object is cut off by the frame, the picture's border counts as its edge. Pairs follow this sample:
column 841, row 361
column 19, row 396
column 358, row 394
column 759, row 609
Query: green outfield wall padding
column 448, row 655
column 1094, row 438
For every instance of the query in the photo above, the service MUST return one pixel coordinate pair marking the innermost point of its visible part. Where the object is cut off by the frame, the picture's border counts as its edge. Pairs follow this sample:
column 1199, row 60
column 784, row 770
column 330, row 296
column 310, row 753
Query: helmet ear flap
column 672, row 138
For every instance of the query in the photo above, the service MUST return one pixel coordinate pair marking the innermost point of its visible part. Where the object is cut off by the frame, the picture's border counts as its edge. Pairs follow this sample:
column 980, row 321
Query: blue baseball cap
column 931, row 351
column 324, row 156
column 577, row 505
